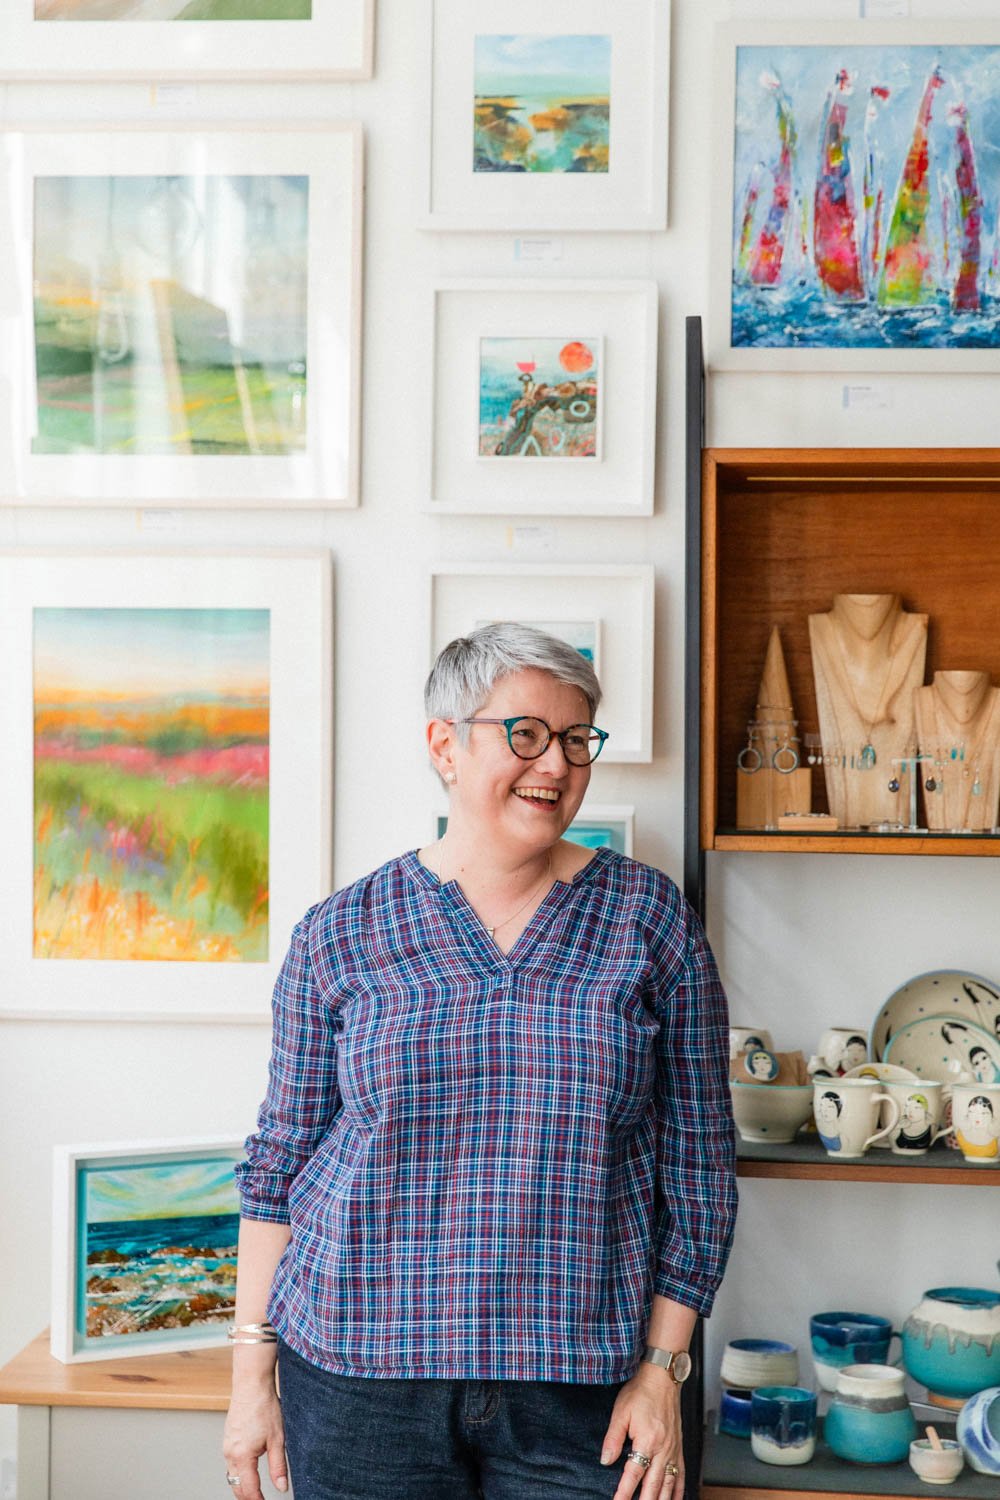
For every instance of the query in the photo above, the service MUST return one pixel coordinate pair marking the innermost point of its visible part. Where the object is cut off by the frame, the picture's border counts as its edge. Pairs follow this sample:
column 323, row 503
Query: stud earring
column 451, row 778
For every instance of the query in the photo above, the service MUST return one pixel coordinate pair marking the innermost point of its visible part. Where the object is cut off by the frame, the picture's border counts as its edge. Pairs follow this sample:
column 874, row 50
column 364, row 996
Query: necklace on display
column 491, row 931
column 866, row 756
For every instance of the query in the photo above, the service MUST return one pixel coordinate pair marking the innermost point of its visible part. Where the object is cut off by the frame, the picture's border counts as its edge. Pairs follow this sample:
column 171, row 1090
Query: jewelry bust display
column 868, row 657
column 958, row 723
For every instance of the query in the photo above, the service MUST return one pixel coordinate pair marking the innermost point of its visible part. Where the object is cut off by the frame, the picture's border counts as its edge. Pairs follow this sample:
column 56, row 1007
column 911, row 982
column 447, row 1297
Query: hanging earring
column 785, row 758
column 977, row 785
column 750, row 759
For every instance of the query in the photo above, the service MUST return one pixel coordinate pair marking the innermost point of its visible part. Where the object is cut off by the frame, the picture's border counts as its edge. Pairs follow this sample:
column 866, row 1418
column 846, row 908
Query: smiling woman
column 463, row 1041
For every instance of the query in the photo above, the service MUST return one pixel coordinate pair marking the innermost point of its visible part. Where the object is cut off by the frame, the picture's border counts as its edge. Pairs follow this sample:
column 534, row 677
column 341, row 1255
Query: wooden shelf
column 807, row 1159
column 730, row 1472
column 783, row 531
column 188, row 1380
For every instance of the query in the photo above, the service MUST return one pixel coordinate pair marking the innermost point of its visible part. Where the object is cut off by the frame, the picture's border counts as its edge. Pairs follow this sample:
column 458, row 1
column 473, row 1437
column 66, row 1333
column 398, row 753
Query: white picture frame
column 616, row 323
column 796, row 322
column 98, row 1190
column 131, row 822
column 334, row 43
column 597, row 826
column 620, row 595
column 213, row 354
column 631, row 73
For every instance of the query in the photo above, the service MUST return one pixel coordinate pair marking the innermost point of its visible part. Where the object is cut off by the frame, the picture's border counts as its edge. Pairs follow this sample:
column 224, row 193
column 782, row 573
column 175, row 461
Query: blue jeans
column 354, row 1438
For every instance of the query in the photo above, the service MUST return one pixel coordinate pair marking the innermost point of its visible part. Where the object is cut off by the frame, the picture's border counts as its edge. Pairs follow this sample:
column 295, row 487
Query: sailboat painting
column 866, row 197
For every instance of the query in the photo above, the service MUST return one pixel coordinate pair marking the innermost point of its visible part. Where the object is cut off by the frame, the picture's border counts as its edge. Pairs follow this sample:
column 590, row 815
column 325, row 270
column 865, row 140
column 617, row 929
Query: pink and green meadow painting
column 173, row 10
column 170, row 314
column 151, row 773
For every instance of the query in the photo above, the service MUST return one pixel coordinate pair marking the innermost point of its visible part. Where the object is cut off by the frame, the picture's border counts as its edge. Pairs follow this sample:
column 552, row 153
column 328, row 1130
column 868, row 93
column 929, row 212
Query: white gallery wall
column 803, row 941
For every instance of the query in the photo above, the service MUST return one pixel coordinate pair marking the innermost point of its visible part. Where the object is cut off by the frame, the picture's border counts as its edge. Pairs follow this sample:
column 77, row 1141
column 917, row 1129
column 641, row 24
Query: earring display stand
column 767, row 793
column 958, row 725
column 868, row 657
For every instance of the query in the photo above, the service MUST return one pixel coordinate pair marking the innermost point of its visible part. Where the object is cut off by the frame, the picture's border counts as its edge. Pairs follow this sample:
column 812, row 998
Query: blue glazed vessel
column 951, row 1342
column 844, row 1338
column 783, row 1424
column 979, row 1431
column 734, row 1411
column 870, row 1421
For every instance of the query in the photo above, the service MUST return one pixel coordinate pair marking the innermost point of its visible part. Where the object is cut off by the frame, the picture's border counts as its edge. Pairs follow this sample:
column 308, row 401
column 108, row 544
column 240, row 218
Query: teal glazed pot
column 979, row 1431
column 951, row 1343
column 870, row 1421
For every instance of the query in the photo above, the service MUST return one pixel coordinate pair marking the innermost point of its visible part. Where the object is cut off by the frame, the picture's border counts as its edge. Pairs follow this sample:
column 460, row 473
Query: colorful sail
column 873, row 195
column 835, row 236
column 965, row 291
column 769, row 249
column 746, row 221
column 906, row 277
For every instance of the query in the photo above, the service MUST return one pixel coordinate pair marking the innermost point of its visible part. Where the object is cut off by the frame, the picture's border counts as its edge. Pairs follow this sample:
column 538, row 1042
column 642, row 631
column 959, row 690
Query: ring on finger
column 635, row 1457
column 233, row 1480
column 672, row 1470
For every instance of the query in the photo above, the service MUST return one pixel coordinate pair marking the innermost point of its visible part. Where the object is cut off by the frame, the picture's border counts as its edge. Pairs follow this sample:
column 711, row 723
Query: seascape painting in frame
column 188, row 316
column 192, row 39
column 539, row 398
column 166, row 772
column 144, row 1247
column 863, row 218
column 546, row 119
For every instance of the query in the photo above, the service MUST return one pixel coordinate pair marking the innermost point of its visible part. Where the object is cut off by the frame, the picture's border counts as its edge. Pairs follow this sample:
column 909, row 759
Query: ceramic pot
column 870, row 1421
column 753, row 1362
column 844, row 1338
column 936, row 1465
column 734, row 1411
column 979, row 1430
column 783, row 1424
column 951, row 1343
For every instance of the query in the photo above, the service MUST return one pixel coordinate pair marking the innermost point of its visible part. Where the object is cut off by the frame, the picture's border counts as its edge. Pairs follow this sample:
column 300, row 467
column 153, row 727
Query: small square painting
column 543, row 103
column 539, row 397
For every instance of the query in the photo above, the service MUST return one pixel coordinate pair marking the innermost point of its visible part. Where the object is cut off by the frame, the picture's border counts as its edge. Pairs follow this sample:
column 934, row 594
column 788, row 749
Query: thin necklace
column 490, row 931
column 867, row 757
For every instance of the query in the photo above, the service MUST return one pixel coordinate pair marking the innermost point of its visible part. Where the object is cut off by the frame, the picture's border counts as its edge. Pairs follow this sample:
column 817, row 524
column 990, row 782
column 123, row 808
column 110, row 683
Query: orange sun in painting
column 575, row 358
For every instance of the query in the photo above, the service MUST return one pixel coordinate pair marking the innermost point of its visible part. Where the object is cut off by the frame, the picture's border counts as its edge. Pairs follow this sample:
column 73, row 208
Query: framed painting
column 550, row 119
column 209, row 40
column 164, row 778
column 182, row 315
column 143, row 1247
column 857, row 220
column 560, row 598
column 597, row 827
column 543, row 398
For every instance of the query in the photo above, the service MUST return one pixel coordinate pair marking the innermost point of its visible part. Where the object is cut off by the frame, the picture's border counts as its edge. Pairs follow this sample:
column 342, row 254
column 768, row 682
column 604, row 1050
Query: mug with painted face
column 921, row 1110
column 846, row 1111
column 840, row 1049
column 748, row 1039
column 783, row 1424
column 975, row 1118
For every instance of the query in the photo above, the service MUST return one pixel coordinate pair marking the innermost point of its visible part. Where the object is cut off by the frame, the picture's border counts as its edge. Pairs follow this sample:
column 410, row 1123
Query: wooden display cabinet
column 784, row 530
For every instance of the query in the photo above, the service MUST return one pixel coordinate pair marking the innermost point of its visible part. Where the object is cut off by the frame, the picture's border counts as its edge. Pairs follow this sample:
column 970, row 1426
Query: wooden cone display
column 762, row 796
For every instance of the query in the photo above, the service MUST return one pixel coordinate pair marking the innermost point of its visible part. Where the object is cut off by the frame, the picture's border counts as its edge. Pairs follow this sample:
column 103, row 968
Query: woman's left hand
column 647, row 1412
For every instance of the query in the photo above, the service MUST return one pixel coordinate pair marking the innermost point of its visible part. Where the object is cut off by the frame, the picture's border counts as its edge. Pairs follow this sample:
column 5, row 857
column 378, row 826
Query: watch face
column 681, row 1367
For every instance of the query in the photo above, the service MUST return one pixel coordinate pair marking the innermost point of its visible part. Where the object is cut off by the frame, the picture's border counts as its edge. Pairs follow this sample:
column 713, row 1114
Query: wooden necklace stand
column 766, row 793
column 958, row 723
column 868, row 658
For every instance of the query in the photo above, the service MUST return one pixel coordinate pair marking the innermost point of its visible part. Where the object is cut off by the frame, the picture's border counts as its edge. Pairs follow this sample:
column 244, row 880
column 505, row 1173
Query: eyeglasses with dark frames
column 529, row 738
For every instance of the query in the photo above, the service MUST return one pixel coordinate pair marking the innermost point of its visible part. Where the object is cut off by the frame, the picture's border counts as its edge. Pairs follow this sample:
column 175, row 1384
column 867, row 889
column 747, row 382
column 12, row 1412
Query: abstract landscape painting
column 866, row 209
column 538, row 398
column 151, row 776
column 156, row 1248
column 543, row 103
column 173, row 10
column 170, row 314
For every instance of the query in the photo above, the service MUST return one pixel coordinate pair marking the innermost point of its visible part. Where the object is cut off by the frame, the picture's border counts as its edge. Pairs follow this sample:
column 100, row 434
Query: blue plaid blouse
column 491, row 1162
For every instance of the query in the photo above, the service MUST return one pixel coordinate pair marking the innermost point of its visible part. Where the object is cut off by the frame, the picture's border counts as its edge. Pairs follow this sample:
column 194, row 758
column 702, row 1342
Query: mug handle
column 886, row 1129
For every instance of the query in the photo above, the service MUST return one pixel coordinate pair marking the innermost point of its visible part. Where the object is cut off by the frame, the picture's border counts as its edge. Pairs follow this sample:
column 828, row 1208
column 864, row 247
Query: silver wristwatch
column 676, row 1361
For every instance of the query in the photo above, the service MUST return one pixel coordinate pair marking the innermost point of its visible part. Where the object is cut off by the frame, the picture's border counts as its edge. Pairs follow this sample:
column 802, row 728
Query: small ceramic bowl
column 936, row 1465
column 771, row 1111
column 751, row 1362
column 734, row 1411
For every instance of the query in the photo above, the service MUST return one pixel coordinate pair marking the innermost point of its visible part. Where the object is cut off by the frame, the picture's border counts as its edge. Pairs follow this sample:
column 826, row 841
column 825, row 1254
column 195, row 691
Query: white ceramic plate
column 941, row 992
column 947, row 1048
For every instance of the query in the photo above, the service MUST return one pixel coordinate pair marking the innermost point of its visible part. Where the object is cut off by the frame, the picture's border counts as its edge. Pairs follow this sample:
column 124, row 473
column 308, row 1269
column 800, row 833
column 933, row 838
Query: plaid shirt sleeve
column 302, row 1096
column 696, row 1170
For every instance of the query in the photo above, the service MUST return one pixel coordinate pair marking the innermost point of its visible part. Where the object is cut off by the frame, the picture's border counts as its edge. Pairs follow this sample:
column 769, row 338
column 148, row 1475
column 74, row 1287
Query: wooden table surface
column 188, row 1380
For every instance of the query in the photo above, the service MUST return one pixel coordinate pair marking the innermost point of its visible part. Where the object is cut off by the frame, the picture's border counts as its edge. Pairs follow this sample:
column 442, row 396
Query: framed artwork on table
column 550, row 118
column 857, row 218
column 543, row 398
column 597, row 827
column 143, row 1247
column 557, row 598
column 209, row 40
column 181, row 315
column 164, row 778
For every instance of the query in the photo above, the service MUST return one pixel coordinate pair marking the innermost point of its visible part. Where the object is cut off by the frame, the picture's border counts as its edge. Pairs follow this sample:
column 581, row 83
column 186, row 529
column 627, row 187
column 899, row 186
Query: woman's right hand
column 254, row 1427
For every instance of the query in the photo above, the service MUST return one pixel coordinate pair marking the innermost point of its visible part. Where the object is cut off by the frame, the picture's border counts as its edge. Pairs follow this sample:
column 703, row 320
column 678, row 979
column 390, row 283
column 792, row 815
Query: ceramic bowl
column 979, row 1430
column 751, row 1362
column 734, row 1411
column 936, row 1465
column 771, row 1112
column 949, row 1051
column 947, row 992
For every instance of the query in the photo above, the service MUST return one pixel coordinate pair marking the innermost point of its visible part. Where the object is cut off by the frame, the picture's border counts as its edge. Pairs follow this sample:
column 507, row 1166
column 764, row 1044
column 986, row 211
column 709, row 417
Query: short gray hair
column 469, row 668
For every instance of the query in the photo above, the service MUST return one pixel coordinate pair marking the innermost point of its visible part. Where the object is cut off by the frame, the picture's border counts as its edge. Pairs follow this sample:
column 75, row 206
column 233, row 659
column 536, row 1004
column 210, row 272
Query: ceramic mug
column 844, row 1338
column 783, row 1424
column 921, row 1110
column 840, row 1048
column 746, row 1038
column 870, row 1421
column 846, row 1111
column 975, row 1116
column 734, row 1411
